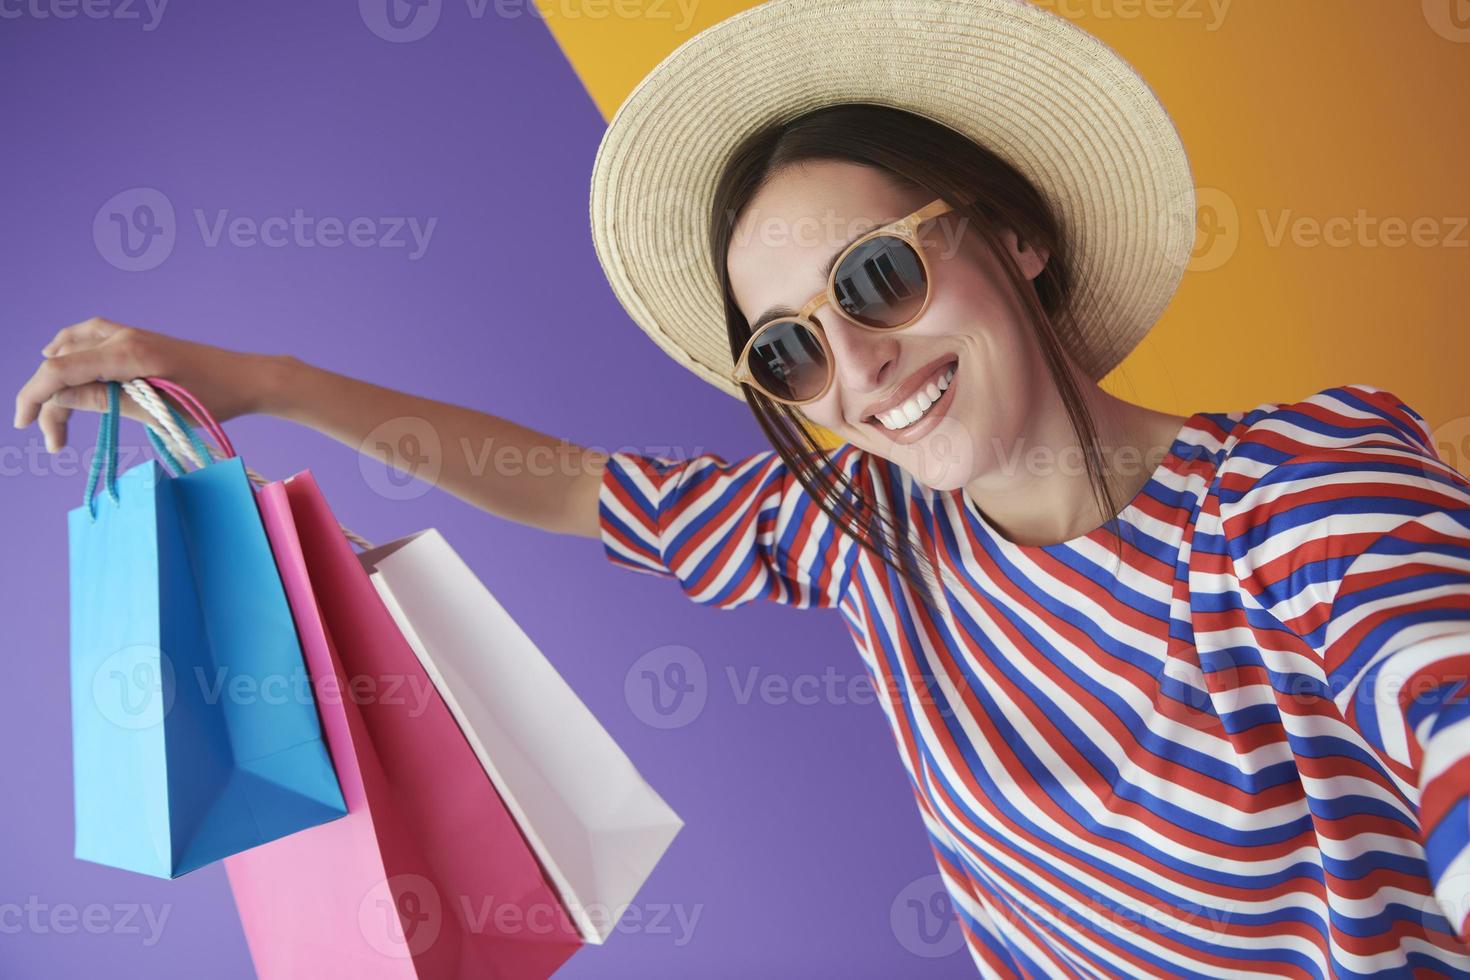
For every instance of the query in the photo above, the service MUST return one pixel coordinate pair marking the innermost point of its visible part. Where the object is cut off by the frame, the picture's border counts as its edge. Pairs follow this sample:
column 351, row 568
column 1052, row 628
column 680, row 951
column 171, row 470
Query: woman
column 1177, row 695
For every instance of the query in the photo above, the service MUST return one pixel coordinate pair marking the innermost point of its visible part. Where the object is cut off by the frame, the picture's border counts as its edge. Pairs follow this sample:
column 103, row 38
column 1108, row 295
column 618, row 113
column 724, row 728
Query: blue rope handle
column 95, row 468
column 170, row 462
column 114, row 407
column 106, row 452
column 104, row 460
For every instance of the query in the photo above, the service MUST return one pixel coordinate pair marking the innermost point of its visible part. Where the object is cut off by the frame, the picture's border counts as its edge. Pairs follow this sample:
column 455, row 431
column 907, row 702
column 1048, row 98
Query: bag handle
column 178, row 439
column 104, row 459
column 197, row 410
column 174, row 425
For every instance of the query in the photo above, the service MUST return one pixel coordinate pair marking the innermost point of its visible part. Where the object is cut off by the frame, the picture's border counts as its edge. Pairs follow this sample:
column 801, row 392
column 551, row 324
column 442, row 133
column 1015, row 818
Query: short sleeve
column 1311, row 484
column 729, row 533
column 1350, row 530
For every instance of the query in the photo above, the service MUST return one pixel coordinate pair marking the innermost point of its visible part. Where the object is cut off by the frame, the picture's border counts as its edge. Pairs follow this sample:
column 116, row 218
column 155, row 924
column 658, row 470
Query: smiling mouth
column 915, row 408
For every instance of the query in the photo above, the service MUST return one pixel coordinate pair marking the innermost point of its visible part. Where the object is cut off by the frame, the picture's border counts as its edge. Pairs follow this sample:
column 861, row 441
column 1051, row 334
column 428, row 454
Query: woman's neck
column 1045, row 496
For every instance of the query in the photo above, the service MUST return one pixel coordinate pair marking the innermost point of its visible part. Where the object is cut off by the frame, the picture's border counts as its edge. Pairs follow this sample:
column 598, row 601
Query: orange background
column 1308, row 112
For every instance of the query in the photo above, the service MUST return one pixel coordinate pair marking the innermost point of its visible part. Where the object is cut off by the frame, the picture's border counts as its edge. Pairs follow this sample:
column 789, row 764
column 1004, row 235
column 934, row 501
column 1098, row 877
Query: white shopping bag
column 597, row 827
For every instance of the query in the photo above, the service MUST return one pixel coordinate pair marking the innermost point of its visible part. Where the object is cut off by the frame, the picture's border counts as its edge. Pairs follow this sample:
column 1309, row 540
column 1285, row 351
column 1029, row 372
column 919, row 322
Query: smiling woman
column 1175, row 695
column 1184, row 719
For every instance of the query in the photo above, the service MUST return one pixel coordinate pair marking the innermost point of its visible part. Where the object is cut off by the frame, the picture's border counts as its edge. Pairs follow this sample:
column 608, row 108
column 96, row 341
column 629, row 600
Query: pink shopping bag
column 428, row 875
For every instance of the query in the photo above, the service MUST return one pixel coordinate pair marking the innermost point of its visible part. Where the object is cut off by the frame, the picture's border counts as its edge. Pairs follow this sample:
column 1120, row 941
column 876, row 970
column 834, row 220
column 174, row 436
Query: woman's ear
column 1031, row 260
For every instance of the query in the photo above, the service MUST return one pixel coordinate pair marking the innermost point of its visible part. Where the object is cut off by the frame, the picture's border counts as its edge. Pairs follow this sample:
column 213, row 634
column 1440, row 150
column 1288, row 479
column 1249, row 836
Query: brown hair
column 923, row 154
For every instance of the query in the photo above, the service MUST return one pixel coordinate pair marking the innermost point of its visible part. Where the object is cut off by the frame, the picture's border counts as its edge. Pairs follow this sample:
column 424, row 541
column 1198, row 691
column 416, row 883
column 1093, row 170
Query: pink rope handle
column 197, row 411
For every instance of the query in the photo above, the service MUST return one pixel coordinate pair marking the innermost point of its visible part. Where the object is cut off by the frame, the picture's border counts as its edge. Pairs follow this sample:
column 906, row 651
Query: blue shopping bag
column 194, row 728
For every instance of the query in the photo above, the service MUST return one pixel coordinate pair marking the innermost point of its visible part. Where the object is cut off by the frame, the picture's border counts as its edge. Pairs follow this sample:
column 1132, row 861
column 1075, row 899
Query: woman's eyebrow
column 780, row 311
column 774, row 313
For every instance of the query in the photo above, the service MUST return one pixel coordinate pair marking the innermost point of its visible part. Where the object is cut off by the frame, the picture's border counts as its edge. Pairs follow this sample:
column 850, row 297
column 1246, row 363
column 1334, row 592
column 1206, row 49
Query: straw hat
column 1054, row 101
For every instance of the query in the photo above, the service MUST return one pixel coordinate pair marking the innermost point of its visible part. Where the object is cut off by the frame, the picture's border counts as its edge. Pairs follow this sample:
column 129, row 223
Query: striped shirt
column 1243, row 751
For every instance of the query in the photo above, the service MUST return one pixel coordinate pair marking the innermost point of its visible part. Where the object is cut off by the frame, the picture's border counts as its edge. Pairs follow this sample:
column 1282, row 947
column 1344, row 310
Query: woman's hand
column 83, row 356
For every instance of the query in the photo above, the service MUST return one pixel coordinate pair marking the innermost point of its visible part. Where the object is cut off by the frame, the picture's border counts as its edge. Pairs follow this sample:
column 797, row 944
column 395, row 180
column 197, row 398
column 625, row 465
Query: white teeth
column 912, row 410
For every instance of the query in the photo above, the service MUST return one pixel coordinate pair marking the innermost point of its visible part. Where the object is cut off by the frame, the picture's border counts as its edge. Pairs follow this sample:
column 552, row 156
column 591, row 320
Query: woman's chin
column 940, row 486
column 944, row 459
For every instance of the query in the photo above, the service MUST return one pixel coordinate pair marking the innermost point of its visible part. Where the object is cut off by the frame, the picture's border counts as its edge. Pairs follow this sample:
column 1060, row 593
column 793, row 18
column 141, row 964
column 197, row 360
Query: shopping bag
column 327, row 870
column 194, row 735
column 597, row 826
column 428, row 876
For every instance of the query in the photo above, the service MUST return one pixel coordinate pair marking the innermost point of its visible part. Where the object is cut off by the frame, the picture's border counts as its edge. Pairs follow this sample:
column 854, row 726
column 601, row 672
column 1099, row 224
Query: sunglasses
column 880, row 282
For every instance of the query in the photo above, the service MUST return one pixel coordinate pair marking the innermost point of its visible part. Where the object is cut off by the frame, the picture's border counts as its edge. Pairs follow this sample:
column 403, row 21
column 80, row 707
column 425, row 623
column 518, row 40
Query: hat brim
column 1054, row 101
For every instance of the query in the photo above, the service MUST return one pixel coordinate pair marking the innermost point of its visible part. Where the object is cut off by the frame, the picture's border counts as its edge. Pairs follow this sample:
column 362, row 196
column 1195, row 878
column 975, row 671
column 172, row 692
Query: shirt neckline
column 1182, row 448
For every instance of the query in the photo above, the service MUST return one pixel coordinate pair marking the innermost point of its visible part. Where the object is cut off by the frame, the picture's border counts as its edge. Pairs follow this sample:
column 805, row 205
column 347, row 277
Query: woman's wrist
column 279, row 379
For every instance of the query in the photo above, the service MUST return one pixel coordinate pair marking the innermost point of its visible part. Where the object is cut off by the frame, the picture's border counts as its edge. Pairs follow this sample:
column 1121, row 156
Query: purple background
column 801, row 833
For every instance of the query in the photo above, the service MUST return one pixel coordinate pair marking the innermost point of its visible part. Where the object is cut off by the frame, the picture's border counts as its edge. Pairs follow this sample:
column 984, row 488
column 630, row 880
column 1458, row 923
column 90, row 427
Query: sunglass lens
column 789, row 361
column 881, row 283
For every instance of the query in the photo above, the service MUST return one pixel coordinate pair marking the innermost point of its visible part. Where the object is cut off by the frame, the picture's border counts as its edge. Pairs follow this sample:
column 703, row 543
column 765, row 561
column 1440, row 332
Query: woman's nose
column 864, row 359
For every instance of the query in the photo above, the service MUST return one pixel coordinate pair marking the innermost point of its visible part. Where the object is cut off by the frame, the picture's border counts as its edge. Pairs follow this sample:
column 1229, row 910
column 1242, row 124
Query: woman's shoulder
column 1351, row 458
column 1334, row 431
column 1333, row 418
column 1310, row 485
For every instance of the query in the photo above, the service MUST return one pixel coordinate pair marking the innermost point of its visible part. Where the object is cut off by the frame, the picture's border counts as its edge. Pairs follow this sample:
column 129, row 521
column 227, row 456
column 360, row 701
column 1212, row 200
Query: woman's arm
column 1347, row 530
column 729, row 532
column 499, row 466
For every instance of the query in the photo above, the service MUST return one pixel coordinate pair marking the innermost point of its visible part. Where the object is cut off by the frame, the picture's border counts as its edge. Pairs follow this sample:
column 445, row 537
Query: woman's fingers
column 65, row 371
column 90, row 397
column 88, row 333
column 53, row 425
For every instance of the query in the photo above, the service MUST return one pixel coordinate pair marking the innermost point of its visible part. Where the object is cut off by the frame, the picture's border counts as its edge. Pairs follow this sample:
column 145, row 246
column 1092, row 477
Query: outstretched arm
column 501, row 467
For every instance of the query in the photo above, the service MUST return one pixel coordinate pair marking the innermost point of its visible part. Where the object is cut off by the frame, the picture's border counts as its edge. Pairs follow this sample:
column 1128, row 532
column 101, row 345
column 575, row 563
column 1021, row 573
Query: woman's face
column 974, row 324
